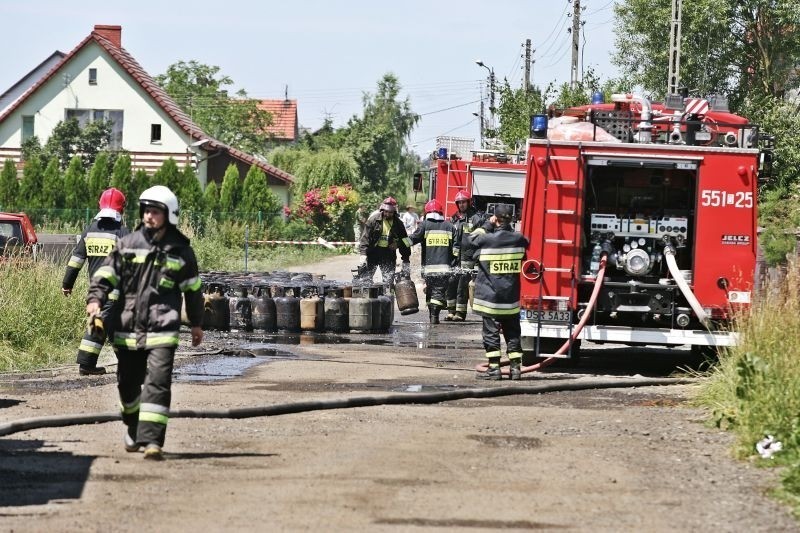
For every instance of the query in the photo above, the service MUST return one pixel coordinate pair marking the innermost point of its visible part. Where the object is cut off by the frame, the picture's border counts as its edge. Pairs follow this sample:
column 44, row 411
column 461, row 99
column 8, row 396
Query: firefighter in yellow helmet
column 384, row 235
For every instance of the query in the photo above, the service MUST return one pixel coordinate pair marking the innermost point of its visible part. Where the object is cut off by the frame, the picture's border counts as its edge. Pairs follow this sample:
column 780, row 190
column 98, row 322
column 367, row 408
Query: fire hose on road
column 28, row 424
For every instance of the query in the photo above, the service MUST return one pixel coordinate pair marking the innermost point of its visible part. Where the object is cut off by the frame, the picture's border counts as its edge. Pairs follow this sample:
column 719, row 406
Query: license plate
column 546, row 316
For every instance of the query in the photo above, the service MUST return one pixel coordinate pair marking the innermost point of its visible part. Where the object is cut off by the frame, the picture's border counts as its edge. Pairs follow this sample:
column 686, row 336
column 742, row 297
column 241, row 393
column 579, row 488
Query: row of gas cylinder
column 310, row 307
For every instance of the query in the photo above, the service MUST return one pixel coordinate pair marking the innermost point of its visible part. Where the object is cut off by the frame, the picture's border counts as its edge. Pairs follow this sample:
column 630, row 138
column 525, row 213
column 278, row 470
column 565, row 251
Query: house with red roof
column 99, row 79
column 284, row 128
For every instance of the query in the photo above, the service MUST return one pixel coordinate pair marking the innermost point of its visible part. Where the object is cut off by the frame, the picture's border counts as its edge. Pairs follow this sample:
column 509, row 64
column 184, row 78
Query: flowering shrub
column 331, row 211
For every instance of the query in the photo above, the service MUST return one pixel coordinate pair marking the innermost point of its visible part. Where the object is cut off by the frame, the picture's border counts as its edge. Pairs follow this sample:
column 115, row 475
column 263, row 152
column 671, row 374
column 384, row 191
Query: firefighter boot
column 153, row 452
column 516, row 368
column 434, row 311
column 493, row 372
column 85, row 370
column 460, row 316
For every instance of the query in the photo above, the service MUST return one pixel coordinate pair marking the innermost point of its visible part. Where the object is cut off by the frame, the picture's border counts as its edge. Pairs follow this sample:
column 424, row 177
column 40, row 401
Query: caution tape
column 304, row 242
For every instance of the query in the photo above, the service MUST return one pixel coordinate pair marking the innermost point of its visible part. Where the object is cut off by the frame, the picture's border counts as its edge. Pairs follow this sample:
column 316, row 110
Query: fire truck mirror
column 416, row 185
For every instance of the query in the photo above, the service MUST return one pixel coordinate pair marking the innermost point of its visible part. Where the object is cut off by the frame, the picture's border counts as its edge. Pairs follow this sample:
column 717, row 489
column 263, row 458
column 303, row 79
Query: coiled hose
column 28, row 424
column 601, row 272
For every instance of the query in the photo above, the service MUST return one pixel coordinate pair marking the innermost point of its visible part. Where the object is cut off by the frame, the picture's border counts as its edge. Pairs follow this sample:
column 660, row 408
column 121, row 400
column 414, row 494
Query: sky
column 329, row 53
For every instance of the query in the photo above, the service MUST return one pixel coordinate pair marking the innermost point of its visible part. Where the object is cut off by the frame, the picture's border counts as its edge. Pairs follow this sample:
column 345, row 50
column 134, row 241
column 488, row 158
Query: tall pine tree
column 98, row 176
column 30, row 189
column 9, row 187
column 231, row 193
column 190, row 193
column 211, row 197
column 52, row 185
column 258, row 200
column 76, row 192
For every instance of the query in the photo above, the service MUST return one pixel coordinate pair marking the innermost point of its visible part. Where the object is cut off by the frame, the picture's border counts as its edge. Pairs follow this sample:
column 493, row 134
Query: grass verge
column 755, row 388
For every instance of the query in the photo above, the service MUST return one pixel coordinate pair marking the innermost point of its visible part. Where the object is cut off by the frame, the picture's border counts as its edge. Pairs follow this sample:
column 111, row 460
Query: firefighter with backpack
column 435, row 236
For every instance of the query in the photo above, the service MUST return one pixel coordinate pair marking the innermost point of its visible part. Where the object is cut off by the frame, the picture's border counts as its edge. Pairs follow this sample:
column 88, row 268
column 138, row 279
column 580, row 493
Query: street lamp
column 491, row 91
column 480, row 116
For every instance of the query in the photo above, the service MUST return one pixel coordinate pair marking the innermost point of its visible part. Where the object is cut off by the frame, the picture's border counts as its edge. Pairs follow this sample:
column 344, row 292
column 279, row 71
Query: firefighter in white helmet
column 154, row 269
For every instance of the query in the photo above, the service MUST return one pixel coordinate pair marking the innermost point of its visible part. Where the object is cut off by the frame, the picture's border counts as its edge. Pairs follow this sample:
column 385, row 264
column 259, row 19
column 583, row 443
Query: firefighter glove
column 95, row 326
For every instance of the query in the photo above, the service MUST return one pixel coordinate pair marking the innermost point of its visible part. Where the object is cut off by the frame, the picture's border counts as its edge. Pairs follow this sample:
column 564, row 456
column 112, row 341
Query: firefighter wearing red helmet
column 155, row 270
column 95, row 243
column 499, row 253
column 464, row 220
column 384, row 234
column 435, row 237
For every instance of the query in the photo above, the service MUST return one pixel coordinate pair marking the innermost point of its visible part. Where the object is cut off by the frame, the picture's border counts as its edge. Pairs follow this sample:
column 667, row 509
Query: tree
column 257, row 198
column 122, row 174
column 200, row 90
column 69, row 139
column 231, row 192
column 31, row 186
column 140, row 182
column 514, row 113
column 76, row 192
column 732, row 47
column 99, row 179
column 211, row 197
column 189, row 192
column 169, row 175
column 289, row 158
column 52, row 185
column 325, row 168
column 9, row 187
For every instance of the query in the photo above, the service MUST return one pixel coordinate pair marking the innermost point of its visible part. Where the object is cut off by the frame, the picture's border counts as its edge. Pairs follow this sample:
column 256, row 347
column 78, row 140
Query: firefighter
column 95, row 243
column 465, row 220
column 499, row 254
column 383, row 234
column 153, row 268
column 435, row 235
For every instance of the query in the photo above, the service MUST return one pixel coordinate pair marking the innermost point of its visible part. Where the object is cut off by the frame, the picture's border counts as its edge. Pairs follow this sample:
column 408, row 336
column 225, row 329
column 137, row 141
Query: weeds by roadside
column 39, row 327
column 755, row 389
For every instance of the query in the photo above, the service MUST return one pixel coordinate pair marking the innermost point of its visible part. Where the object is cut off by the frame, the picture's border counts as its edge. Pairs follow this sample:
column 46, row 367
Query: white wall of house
column 115, row 90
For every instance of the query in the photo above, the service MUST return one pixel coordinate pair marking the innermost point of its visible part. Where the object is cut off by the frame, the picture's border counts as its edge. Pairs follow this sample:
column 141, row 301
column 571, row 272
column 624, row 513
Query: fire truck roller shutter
column 507, row 183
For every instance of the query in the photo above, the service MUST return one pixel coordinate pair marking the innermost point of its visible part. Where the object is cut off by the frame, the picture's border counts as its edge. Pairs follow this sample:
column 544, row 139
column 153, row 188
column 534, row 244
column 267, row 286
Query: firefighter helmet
column 163, row 198
column 434, row 206
column 389, row 204
column 463, row 196
column 112, row 204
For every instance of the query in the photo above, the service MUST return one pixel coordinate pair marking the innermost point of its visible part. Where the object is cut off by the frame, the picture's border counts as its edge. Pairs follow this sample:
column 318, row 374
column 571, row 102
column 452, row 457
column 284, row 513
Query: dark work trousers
column 384, row 259
column 91, row 344
column 436, row 289
column 511, row 331
column 144, row 381
column 458, row 293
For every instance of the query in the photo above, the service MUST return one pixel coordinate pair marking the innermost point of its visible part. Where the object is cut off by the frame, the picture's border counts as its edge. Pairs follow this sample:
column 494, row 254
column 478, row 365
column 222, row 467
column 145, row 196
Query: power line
column 448, row 108
column 444, row 133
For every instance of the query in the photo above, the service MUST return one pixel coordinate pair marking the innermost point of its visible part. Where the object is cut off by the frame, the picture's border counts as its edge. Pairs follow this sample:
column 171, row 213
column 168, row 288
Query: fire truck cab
column 663, row 196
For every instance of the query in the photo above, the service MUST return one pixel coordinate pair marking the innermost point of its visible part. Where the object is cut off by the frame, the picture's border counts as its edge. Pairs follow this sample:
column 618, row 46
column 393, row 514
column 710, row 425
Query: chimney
column 110, row 33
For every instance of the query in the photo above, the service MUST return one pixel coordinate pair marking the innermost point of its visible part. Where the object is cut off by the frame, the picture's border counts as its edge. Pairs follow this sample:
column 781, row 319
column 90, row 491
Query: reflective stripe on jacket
column 95, row 243
column 499, row 254
column 436, row 240
column 153, row 278
column 373, row 231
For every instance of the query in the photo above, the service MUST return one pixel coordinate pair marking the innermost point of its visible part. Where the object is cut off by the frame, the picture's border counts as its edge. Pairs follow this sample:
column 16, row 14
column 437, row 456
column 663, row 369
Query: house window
column 27, row 127
column 92, row 76
column 116, row 117
column 155, row 133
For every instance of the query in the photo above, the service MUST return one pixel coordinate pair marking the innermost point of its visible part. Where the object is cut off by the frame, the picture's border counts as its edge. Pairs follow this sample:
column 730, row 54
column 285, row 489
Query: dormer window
column 92, row 76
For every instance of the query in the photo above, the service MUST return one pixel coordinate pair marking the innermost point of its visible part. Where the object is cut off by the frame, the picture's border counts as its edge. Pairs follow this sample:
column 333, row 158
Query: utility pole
column 482, row 119
column 675, row 48
column 576, row 38
column 527, row 65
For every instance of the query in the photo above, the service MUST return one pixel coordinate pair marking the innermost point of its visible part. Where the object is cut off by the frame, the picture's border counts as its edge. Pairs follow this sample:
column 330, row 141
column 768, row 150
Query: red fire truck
column 642, row 224
column 490, row 176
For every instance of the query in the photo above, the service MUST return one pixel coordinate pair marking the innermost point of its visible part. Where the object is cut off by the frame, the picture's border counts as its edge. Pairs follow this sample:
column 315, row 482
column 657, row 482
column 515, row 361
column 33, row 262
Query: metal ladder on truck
column 564, row 176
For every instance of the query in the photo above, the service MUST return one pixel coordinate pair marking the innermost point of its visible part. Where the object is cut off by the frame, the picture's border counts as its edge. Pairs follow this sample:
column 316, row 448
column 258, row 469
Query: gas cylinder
column 263, row 309
column 312, row 313
column 287, row 309
column 337, row 311
column 386, row 306
column 216, row 313
column 241, row 314
column 377, row 319
column 405, row 293
column 347, row 291
column 360, row 310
